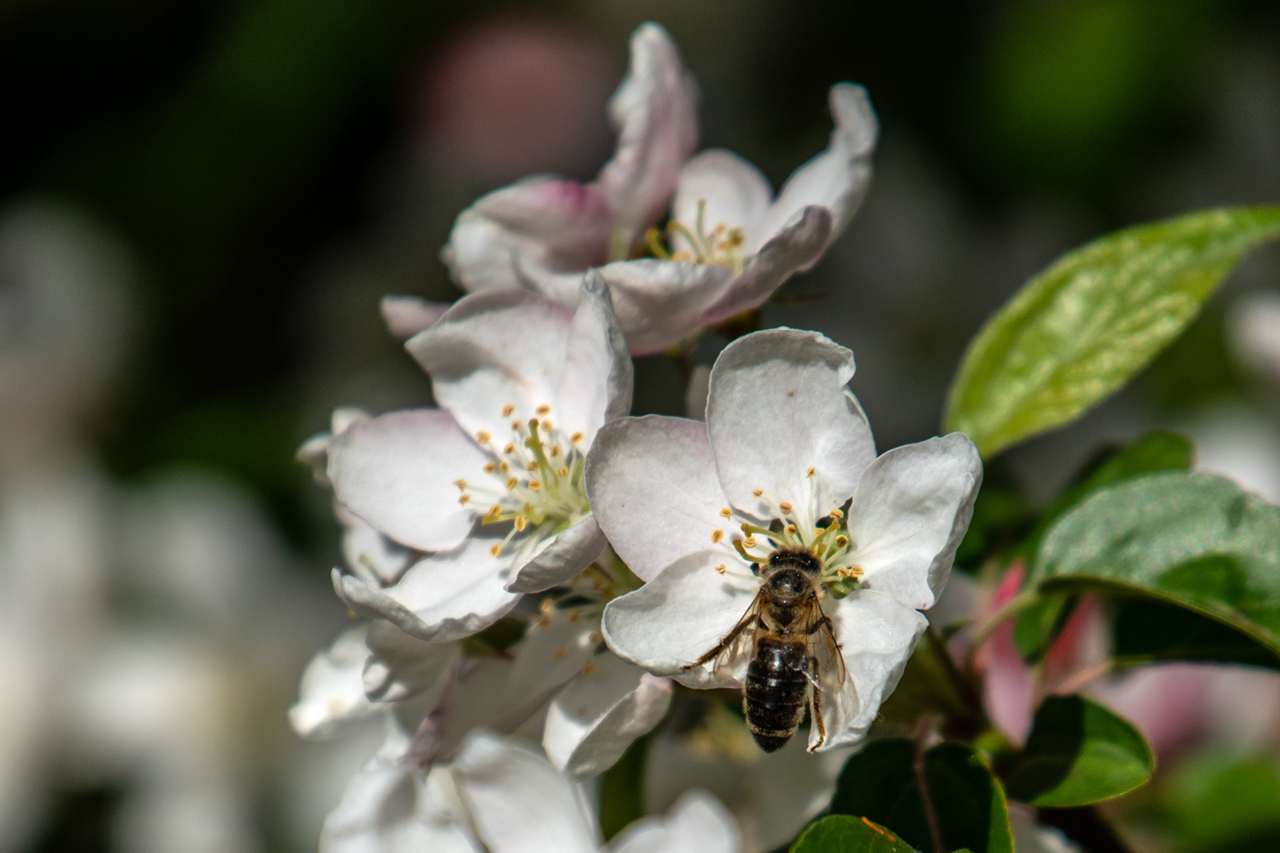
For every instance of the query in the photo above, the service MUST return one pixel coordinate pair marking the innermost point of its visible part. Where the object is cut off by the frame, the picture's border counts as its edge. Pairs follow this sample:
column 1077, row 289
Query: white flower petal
column 332, row 690
column 385, row 810
column 397, row 472
column 554, row 222
column 777, row 406
column 446, row 596
column 405, row 316
column 518, row 801
column 369, row 554
column 491, row 350
column 555, row 648
column 679, row 616
column 476, row 701
column 837, row 178
column 696, row 823
column 655, row 111
column 561, row 557
column 315, row 450
column 400, row 665
column 796, row 247
column 910, row 511
column 877, row 635
column 653, row 490
column 598, row 714
column 734, row 192
column 595, row 386
column 658, row 302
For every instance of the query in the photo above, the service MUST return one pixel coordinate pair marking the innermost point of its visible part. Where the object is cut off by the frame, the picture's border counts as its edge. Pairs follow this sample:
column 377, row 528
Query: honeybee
column 786, row 633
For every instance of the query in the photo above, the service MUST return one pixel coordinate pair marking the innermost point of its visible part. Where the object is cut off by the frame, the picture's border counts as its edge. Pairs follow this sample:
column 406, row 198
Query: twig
column 924, row 730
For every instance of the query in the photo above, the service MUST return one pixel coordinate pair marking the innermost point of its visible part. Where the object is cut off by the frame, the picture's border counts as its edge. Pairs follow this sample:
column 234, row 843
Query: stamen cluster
column 722, row 245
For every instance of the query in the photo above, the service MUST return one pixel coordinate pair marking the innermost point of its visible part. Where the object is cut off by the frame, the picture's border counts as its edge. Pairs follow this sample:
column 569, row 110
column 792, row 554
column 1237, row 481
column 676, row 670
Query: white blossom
column 694, row 509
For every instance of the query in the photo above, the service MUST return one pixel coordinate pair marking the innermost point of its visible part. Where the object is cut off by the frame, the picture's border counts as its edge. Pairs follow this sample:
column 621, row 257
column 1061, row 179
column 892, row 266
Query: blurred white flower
column 784, row 447
column 524, row 385
column 501, row 798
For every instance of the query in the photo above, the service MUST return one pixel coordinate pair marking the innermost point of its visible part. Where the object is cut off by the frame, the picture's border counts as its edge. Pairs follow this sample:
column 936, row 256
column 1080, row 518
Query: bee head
column 795, row 559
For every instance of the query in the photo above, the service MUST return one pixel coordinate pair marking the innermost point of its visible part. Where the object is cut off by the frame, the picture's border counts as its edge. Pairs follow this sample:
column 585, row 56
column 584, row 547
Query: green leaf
column 1223, row 804
column 621, row 789
column 880, row 783
column 845, row 834
column 1079, row 753
column 1037, row 626
column 1190, row 539
column 1147, row 630
column 1080, row 329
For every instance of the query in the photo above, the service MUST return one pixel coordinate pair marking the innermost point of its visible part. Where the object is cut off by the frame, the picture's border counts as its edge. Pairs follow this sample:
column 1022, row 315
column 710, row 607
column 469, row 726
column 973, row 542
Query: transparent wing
column 733, row 646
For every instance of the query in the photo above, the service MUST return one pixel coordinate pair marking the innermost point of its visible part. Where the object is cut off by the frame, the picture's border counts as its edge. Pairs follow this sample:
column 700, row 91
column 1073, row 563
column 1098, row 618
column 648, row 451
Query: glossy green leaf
column 1194, row 540
column 1147, row 630
column 1036, row 627
column 880, row 783
column 846, row 834
column 1080, row 329
column 1079, row 753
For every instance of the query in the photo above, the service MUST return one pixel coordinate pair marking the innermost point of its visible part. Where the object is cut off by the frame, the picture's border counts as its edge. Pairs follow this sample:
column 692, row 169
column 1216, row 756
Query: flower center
column 720, row 245
column 794, row 529
column 533, row 481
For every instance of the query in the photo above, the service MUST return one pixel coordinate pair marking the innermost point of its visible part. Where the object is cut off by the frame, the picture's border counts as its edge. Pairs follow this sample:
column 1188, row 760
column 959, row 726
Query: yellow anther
column 810, row 472
column 510, row 448
column 561, row 652
column 575, row 438
column 464, row 499
column 544, row 409
column 535, row 485
column 835, row 513
column 547, row 605
column 495, row 550
column 461, row 484
column 594, row 637
column 725, row 512
column 532, row 466
column 521, row 523
column 750, row 542
column 588, row 669
column 511, row 482
column 791, row 529
column 785, row 506
column 850, row 572
column 548, row 426
column 544, row 621
column 495, row 510
column 721, row 569
column 507, row 410
column 563, row 472
column 555, row 451
column 504, row 467
column 717, row 535
column 757, row 492
column 684, row 256
column 533, row 423
column 574, row 616
column 482, row 437
column 841, row 541
column 516, row 425
column 489, row 467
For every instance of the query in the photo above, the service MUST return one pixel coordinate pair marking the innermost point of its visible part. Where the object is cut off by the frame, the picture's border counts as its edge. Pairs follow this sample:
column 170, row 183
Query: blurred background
column 201, row 204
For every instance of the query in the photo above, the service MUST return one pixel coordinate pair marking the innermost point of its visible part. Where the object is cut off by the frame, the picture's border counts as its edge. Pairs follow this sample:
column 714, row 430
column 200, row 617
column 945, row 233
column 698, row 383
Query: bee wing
column 738, row 643
column 828, row 678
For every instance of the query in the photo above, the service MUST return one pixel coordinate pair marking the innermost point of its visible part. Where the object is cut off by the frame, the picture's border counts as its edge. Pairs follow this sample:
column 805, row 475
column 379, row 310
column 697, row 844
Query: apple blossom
column 785, row 460
column 490, row 484
column 730, row 242
column 499, row 797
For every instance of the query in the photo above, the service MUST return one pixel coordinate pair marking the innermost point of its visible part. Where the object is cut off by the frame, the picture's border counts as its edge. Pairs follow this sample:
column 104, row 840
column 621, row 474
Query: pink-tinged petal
column 598, row 714
column 659, row 303
column 405, row 316
column 910, row 511
column 518, row 802
column 446, row 596
column 796, row 247
column 730, row 190
column 837, row 178
column 596, row 383
column 315, row 450
column 877, row 635
column 679, row 616
column 655, row 111
column 1008, row 689
column 556, row 223
column 368, row 553
column 777, row 407
column 332, row 692
column 653, row 490
column 492, row 350
column 397, row 472
column 400, row 665
column 696, row 823
column 560, row 558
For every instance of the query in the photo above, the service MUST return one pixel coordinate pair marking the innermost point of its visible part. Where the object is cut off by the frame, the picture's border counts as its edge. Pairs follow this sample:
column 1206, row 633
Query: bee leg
column 723, row 644
column 815, row 702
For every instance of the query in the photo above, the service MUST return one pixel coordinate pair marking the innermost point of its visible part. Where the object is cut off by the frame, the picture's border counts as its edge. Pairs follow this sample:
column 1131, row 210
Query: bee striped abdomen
column 776, row 689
